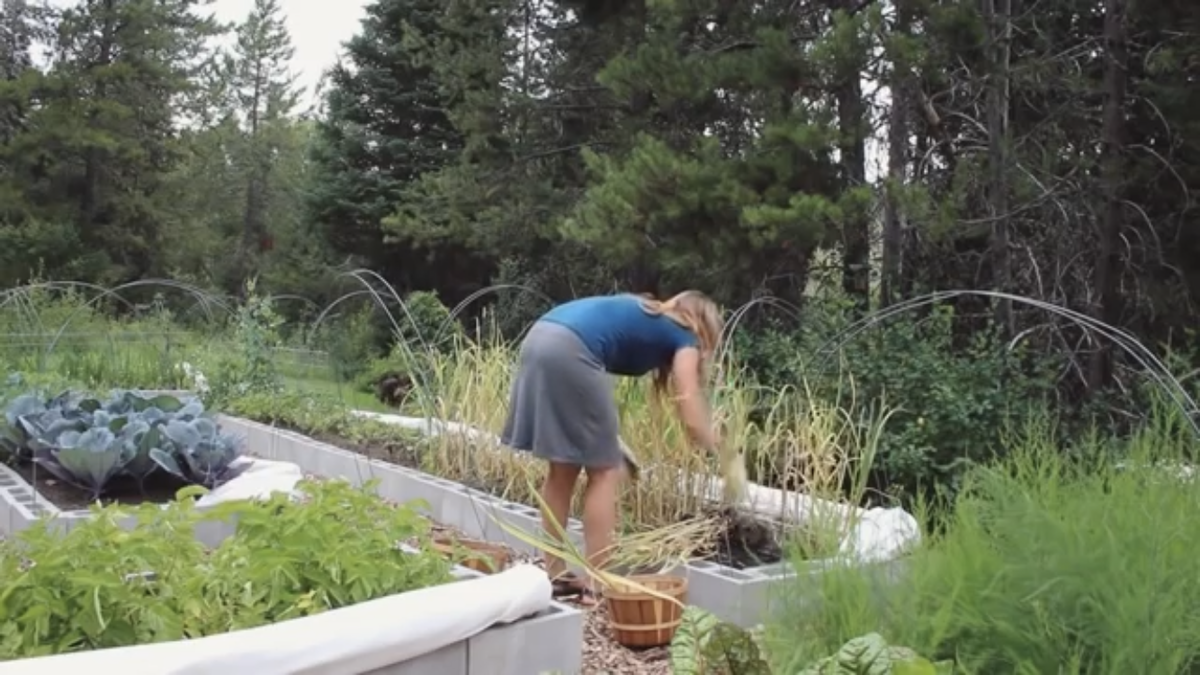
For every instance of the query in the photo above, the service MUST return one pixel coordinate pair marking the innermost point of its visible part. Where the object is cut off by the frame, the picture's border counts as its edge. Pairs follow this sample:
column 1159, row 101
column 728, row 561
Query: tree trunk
column 856, row 239
column 998, row 17
column 1109, row 266
column 256, row 184
column 893, row 220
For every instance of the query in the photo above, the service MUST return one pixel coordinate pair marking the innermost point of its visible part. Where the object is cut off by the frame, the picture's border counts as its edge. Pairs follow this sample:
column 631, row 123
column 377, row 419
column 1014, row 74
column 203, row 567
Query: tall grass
column 810, row 443
column 1046, row 565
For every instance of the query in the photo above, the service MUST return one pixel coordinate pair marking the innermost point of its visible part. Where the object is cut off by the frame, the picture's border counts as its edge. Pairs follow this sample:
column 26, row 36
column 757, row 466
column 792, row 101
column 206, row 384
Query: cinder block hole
column 731, row 573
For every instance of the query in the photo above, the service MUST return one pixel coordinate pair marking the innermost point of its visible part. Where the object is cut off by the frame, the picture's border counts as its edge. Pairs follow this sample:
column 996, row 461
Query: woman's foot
column 588, row 597
column 566, row 585
column 569, row 586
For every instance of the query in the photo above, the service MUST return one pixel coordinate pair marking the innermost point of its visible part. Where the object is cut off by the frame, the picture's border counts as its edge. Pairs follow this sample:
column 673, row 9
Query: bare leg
column 557, row 492
column 600, row 513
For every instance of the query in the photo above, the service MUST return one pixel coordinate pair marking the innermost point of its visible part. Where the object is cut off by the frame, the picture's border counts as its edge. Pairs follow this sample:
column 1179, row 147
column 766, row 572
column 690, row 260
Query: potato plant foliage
column 100, row 585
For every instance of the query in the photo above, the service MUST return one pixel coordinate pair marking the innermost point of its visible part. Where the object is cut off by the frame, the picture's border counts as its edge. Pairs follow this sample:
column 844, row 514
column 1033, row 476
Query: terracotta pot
column 480, row 556
column 639, row 619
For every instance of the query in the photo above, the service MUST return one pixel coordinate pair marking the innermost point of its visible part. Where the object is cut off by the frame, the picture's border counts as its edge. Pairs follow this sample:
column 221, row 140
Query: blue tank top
column 618, row 332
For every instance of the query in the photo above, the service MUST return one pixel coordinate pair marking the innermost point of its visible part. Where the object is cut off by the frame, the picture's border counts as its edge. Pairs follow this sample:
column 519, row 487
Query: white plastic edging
column 875, row 535
column 362, row 638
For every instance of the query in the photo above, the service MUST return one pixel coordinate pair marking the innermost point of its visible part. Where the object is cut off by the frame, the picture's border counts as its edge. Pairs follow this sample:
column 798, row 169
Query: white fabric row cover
column 345, row 641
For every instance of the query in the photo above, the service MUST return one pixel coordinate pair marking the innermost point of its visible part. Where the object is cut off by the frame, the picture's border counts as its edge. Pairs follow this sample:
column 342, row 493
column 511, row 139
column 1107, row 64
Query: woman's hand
column 690, row 400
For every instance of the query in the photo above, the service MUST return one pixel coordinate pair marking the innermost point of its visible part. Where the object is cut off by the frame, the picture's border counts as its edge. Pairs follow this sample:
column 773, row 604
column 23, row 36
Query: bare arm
column 690, row 401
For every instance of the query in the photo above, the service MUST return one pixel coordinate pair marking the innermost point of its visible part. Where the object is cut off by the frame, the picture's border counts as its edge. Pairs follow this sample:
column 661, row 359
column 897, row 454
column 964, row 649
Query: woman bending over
column 562, row 406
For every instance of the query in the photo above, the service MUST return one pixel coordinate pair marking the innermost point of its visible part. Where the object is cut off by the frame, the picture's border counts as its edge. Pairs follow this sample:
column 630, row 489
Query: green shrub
column 365, row 345
column 426, row 330
column 951, row 400
column 63, row 332
column 1047, row 565
column 90, row 588
column 317, row 414
column 354, row 340
column 147, row 364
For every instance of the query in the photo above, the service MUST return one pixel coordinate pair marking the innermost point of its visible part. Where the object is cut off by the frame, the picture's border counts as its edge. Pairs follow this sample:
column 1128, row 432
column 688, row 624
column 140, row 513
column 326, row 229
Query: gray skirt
column 562, row 406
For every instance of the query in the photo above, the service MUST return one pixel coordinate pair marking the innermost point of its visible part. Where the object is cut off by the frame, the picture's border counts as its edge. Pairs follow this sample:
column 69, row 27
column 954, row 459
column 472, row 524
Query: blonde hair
column 694, row 311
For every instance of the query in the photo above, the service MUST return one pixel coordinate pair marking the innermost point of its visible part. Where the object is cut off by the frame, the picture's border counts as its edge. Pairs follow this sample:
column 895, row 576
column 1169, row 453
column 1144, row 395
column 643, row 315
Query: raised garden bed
column 549, row 641
column 743, row 597
column 61, row 455
column 127, row 447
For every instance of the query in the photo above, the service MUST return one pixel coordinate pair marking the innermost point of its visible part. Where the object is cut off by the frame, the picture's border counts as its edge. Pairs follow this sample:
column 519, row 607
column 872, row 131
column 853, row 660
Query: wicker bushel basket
column 481, row 556
column 640, row 620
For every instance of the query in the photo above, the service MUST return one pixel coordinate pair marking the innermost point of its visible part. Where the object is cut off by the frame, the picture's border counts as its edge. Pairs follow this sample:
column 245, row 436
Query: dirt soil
column 745, row 541
column 159, row 488
column 395, row 452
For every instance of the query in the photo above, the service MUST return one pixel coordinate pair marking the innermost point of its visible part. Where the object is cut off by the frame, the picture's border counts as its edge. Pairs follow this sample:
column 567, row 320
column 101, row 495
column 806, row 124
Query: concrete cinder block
column 744, row 597
column 548, row 643
column 450, row 660
column 20, row 504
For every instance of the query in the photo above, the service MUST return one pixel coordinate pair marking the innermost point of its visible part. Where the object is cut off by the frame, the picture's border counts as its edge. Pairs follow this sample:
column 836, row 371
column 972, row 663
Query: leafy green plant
column 197, row 451
column 872, row 655
column 86, row 441
column 101, row 585
column 426, row 330
column 704, row 645
column 1050, row 562
column 319, row 415
column 953, row 398
column 250, row 366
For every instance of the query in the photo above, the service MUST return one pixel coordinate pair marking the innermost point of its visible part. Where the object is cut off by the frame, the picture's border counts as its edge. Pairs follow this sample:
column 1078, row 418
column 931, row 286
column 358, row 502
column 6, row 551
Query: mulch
column 601, row 654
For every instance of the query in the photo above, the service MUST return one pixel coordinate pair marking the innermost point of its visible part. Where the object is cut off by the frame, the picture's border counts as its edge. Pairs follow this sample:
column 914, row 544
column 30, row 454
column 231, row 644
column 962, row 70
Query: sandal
column 566, row 586
column 571, row 587
column 588, row 598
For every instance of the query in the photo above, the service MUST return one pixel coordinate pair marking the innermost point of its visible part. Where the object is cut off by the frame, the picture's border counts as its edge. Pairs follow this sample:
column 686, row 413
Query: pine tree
column 262, row 95
column 16, row 34
column 730, row 180
column 99, row 137
column 384, row 125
